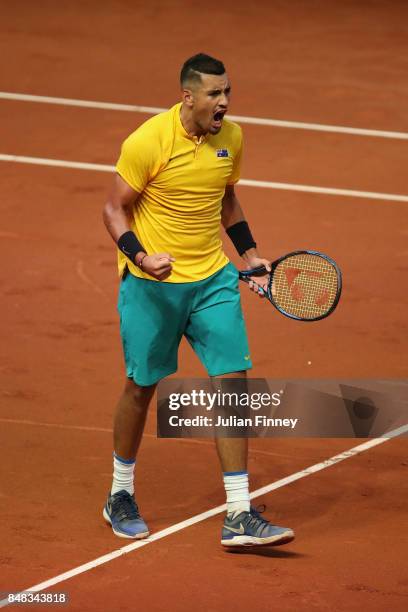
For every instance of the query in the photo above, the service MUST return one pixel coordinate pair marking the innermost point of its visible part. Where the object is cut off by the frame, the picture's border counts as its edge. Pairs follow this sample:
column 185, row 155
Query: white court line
column 199, row 441
column 153, row 110
column 352, row 452
column 58, row 163
column 352, row 193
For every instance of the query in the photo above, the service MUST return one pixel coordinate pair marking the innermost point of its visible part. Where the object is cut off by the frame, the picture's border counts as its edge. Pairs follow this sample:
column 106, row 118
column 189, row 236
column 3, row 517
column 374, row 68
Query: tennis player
column 173, row 190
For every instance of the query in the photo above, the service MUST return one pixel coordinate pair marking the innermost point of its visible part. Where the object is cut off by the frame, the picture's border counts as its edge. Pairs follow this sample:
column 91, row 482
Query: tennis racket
column 306, row 285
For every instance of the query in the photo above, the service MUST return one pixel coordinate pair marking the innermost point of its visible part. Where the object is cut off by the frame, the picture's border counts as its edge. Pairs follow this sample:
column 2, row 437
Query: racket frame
column 245, row 275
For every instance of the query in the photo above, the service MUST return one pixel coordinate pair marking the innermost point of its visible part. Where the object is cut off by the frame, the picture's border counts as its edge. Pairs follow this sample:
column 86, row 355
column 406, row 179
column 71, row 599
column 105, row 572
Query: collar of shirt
column 182, row 131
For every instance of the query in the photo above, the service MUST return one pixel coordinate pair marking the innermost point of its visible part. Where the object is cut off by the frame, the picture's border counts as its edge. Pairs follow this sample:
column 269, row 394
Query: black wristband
column 129, row 245
column 241, row 237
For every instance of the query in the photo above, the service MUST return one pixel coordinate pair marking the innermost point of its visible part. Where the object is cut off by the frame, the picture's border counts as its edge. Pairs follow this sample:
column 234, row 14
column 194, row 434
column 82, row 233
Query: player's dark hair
column 197, row 65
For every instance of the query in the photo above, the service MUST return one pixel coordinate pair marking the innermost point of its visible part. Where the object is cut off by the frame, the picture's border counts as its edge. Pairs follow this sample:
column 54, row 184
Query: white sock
column 123, row 475
column 236, row 488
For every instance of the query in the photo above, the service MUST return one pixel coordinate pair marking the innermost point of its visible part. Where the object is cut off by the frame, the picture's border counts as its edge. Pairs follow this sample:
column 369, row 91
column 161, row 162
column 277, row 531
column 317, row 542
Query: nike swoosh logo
column 241, row 529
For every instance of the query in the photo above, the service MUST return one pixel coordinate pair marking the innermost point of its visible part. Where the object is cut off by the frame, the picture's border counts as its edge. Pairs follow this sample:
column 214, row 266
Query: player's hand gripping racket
column 306, row 284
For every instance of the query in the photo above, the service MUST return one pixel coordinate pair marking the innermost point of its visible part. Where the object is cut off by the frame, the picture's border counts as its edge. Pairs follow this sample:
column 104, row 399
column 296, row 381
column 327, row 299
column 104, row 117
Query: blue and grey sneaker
column 122, row 513
column 251, row 529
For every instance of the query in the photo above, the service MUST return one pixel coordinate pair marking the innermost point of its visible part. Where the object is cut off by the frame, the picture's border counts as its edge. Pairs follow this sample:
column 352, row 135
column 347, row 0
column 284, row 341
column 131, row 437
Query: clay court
column 307, row 183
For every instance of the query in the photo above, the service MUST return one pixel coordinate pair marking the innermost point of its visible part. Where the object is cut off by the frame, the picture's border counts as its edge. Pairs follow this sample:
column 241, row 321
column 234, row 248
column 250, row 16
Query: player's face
column 209, row 102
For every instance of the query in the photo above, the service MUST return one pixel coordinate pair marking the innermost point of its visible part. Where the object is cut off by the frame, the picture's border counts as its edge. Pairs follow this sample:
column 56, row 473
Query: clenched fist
column 158, row 265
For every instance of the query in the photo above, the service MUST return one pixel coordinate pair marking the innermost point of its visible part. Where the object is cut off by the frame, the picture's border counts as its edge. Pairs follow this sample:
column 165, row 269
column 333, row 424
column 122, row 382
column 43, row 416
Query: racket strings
column 305, row 286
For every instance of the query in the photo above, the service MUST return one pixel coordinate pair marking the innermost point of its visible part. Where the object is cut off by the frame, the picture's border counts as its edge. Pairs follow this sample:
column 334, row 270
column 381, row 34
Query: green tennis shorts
column 154, row 316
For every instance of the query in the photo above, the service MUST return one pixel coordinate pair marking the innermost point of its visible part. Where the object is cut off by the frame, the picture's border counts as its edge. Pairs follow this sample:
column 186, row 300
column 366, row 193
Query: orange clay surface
column 337, row 63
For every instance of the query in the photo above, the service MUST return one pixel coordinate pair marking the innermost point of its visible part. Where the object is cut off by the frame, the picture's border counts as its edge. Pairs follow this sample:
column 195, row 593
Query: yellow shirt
column 181, row 181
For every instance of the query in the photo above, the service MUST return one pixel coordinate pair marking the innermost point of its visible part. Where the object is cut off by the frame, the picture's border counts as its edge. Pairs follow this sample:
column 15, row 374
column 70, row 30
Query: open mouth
column 218, row 117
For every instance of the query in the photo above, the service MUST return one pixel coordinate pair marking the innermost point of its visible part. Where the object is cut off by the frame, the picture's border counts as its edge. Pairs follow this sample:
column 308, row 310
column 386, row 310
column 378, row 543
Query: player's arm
column 117, row 215
column 236, row 226
column 117, row 212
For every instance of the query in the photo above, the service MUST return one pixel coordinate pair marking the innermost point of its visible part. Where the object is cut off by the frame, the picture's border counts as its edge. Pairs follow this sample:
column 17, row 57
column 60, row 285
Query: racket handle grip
column 260, row 270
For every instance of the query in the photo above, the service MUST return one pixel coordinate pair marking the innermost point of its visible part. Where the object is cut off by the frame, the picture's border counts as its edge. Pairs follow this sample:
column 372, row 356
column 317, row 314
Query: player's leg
column 151, row 332
column 121, row 510
column 217, row 333
column 130, row 419
column 233, row 455
column 243, row 525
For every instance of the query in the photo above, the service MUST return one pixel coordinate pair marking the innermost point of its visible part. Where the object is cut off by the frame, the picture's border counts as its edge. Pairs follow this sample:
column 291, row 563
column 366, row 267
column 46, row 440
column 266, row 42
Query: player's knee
column 140, row 396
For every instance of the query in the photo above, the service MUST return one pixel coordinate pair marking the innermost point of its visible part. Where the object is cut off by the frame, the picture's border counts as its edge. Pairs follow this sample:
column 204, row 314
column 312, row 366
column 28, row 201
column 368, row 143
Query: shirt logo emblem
column 222, row 152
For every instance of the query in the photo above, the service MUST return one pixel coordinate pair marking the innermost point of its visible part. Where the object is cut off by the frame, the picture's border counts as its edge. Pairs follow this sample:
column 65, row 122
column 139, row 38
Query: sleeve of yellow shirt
column 139, row 156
